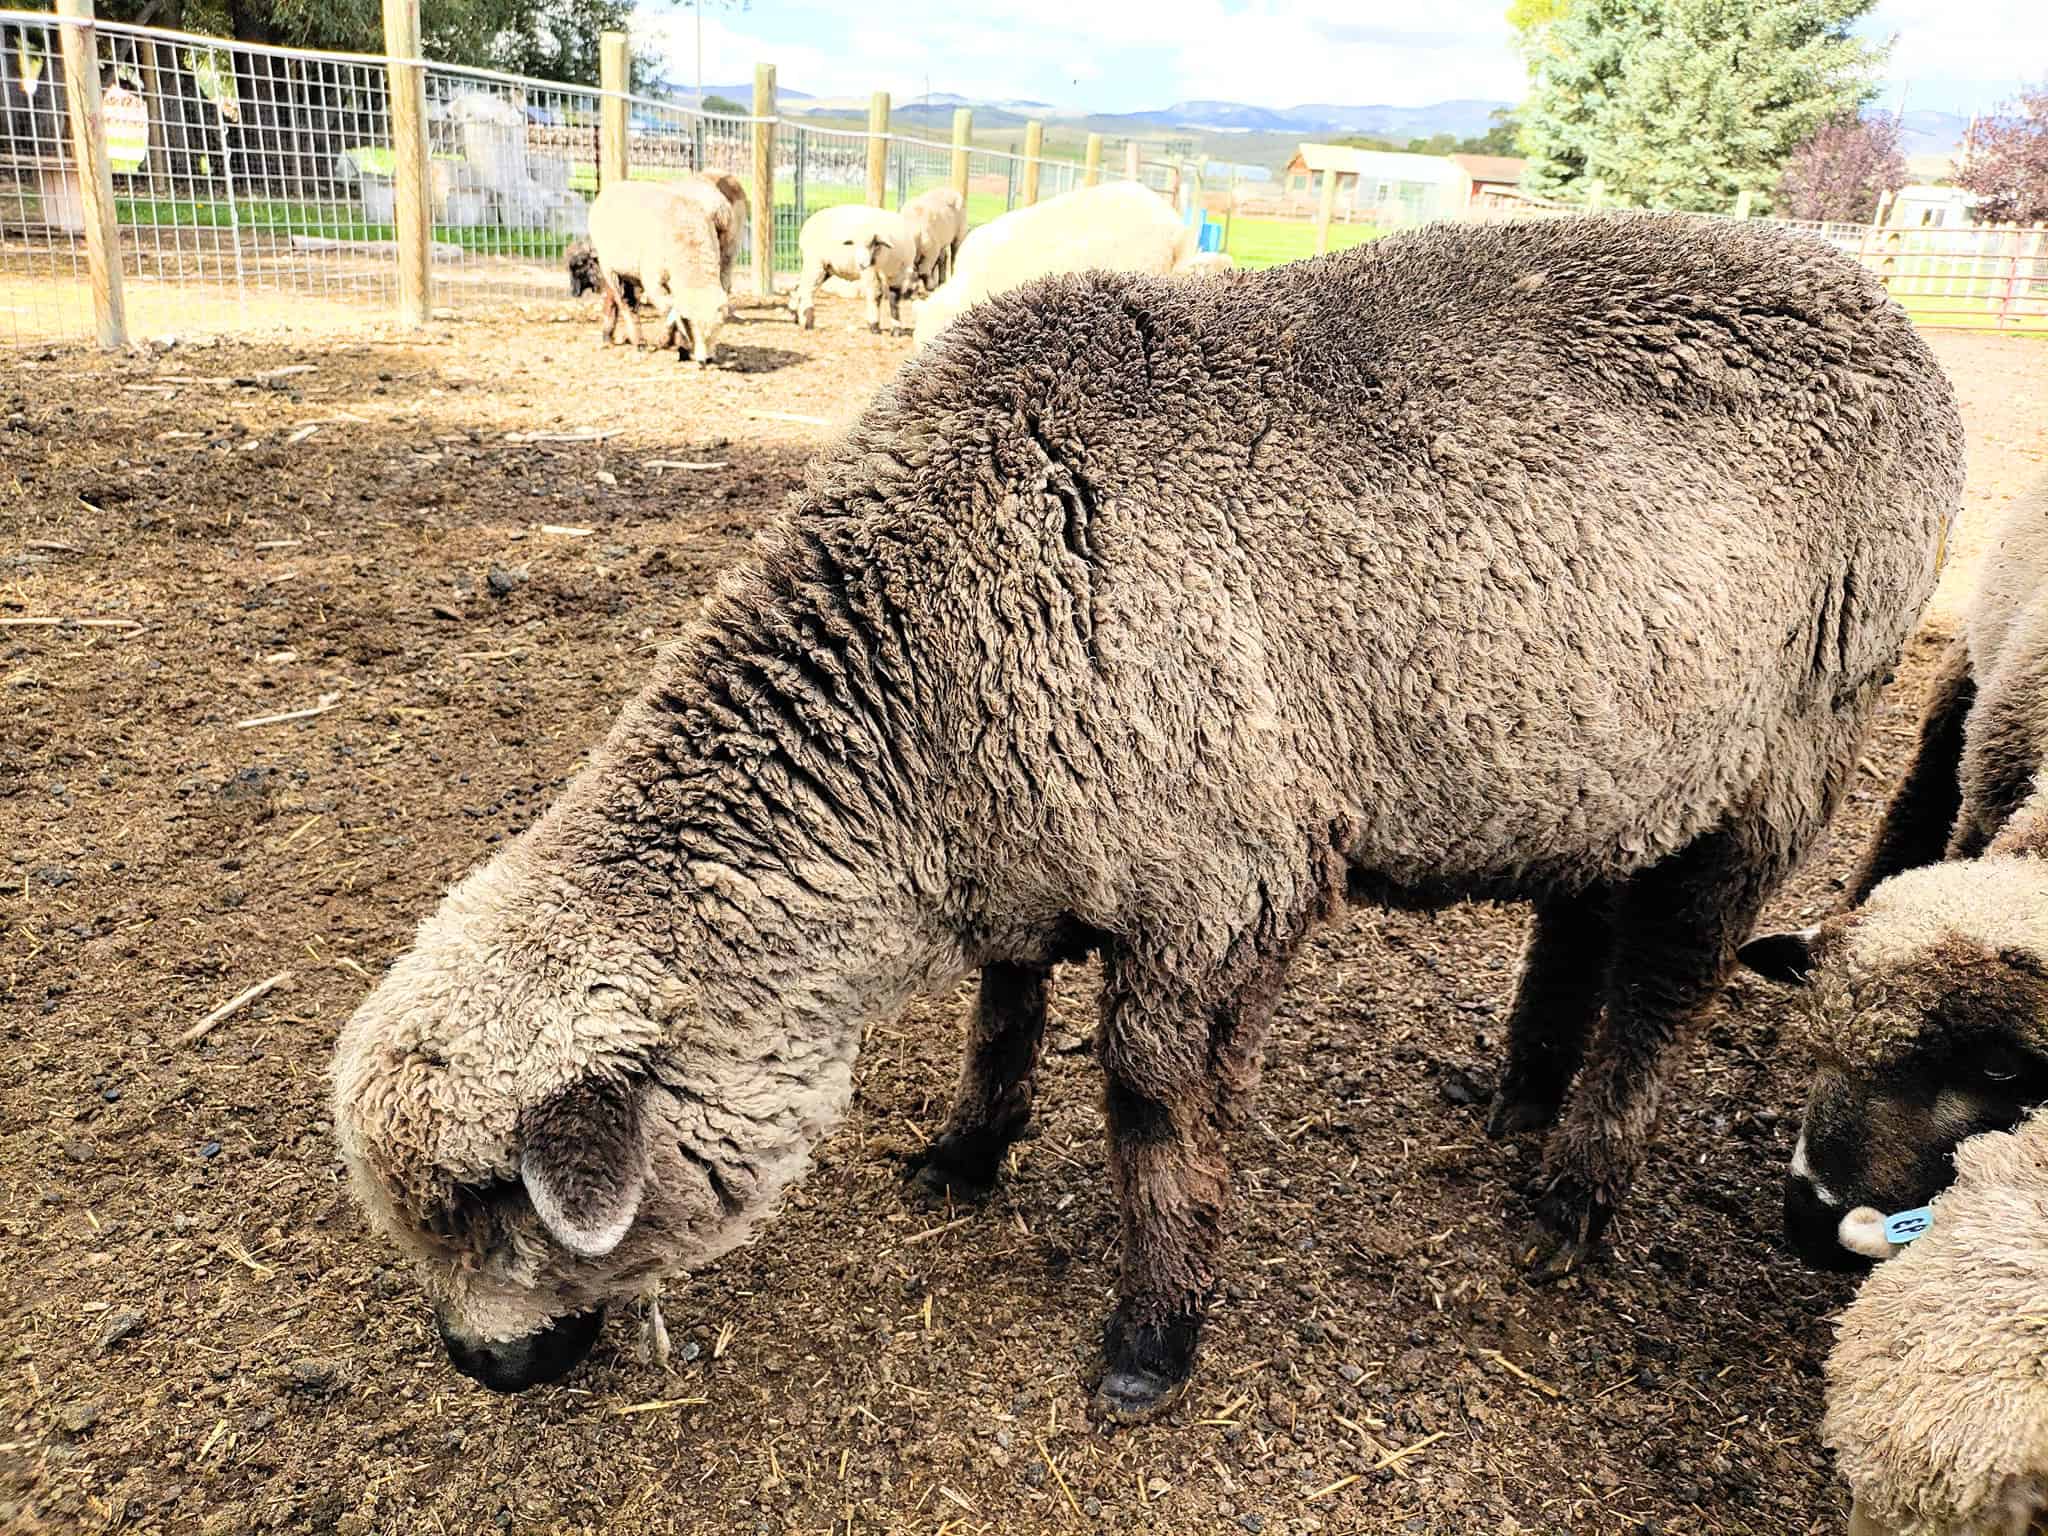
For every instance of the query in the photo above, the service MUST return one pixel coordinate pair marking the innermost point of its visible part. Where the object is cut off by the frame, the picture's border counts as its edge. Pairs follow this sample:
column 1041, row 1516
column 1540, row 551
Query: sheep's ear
column 583, row 1160
column 1786, row 958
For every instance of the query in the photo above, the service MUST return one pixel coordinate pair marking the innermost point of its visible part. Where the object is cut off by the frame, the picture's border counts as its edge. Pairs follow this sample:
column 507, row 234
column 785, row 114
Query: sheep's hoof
column 1146, row 1369
column 653, row 1345
column 875, row 329
column 1513, row 1117
column 950, row 1172
column 1570, row 1219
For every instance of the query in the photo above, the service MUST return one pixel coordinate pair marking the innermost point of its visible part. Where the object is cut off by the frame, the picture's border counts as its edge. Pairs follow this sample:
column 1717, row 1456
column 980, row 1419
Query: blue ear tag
column 1907, row 1225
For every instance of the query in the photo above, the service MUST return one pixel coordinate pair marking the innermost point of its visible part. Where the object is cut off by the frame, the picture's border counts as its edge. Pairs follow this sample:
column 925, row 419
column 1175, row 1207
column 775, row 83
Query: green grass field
column 1271, row 242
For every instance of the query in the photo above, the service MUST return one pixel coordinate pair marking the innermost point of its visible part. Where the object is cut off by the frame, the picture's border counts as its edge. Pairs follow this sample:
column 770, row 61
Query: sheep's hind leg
column 1557, row 1003
column 1676, row 927
column 994, row 1103
column 1923, row 808
column 1179, row 1064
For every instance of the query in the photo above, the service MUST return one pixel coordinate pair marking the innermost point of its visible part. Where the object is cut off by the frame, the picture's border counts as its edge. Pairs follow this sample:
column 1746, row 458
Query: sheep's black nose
column 513, row 1365
column 1814, row 1228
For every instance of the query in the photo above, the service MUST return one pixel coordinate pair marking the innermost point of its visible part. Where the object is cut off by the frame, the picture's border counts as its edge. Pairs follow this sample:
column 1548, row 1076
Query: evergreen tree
column 1685, row 103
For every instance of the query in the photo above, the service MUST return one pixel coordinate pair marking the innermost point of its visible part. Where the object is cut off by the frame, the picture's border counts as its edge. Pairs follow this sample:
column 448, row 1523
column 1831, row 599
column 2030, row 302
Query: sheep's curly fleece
column 1938, row 1382
column 1475, row 562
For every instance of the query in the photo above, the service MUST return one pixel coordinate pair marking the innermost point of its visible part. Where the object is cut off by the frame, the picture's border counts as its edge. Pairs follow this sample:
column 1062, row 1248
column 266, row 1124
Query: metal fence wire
column 255, row 189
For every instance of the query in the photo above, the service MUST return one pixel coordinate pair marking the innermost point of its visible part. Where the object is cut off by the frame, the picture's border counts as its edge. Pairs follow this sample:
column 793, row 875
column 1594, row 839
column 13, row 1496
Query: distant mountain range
column 1463, row 118
column 1932, row 133
column 1923, row 132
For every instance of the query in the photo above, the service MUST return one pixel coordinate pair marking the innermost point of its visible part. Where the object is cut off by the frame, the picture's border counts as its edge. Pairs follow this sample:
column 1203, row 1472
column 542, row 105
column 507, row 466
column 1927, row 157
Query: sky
column 1128, row 55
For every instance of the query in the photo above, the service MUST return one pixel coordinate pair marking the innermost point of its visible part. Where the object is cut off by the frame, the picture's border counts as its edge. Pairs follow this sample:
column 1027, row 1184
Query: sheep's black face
column 1920, row 1046
column 584, row 276
column 513, row 1365
column 1873, row 1145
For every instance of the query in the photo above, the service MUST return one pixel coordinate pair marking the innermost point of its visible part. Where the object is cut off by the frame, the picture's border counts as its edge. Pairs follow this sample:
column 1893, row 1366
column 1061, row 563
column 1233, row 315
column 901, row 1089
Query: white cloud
column 1123, row 55
column 1106, row 55
column 1985, row 44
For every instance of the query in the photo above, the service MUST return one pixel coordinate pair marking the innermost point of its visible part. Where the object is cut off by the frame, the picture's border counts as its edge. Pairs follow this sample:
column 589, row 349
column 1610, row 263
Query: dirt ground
column 197, row 1331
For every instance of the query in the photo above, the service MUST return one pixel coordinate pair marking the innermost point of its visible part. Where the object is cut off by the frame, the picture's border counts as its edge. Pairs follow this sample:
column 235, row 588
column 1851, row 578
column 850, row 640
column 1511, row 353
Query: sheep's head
column 871, row 252
column 508, row 1119
column 695, row 317
column 585, row 276
column 1926, row 1011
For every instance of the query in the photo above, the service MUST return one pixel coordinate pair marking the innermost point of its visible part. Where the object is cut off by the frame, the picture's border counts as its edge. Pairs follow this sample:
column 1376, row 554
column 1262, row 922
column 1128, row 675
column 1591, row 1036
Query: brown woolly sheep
column 1937, row 1390
column 1928, row 998
column 1554, row 561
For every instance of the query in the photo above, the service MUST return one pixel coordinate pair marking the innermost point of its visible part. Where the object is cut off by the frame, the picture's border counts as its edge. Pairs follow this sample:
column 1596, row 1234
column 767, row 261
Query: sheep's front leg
column 871, row 291
column 1676, row 926
column 1557, row 1003
column 994, row 1103
column 1178, row 1066
column 1922, row 812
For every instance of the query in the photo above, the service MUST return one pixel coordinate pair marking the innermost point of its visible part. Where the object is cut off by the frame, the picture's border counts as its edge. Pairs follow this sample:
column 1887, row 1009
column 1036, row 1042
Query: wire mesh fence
column 255, row 188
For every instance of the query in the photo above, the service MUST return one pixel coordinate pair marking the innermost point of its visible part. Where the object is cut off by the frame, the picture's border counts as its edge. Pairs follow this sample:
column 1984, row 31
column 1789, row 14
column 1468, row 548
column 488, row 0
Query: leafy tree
column 2007, row 165
column 1364, row 141
column 1685, row 103
column 725, row 106
column 549, row 39
column 1503, row 138
column 1842, row 170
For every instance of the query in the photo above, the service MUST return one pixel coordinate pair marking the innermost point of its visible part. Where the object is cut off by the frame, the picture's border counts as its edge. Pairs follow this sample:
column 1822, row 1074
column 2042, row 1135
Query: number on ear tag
column 1907, row 1225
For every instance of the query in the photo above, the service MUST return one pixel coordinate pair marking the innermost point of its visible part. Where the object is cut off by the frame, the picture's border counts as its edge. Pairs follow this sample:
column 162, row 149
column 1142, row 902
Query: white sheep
column 727, row 211
column 938, row 223
column 867, row 246
column 1121, row 227
column 1938, row 1383
column 661, row 236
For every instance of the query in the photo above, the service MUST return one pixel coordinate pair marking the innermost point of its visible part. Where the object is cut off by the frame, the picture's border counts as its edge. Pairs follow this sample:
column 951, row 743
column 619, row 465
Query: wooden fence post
column 1034, row 151
column 1325, row 210
column 1744, row 200
column 95, row 172
column 878, row 149
column 1131, row 161
column 1596, row 195
column 414, row 200
column 963, row 140
column 764, row 180
column 1091, row 168
column 614, row 78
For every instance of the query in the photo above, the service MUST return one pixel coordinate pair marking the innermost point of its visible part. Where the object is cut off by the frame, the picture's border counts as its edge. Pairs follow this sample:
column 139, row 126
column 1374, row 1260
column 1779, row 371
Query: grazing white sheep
column 871, row 247
column 728, row 214
column 1938, row 1383
column 660, row 236
column 1121, row 227
column 938, row 223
